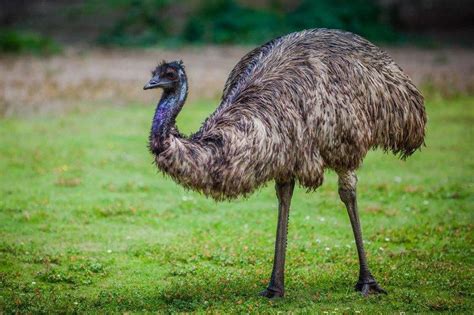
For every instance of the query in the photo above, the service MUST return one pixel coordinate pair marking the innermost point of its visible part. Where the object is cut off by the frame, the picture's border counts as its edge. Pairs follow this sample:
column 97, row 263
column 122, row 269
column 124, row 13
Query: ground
column 114, row 76
column 88, row 225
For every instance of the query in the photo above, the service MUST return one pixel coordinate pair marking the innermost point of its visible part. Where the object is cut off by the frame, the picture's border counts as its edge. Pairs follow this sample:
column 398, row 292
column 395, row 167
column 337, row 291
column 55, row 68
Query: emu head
column 167, row 75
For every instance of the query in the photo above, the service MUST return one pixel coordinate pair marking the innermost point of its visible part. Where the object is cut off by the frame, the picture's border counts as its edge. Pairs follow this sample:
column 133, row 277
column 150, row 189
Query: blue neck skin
column 163, row 108
column 167, row 109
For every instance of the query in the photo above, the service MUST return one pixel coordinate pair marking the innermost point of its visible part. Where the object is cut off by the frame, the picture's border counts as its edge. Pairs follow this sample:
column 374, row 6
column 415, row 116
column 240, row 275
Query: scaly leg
column 347, row 191
column 276, row 287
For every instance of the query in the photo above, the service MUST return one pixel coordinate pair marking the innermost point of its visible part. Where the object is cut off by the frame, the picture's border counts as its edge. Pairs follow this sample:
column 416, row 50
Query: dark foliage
column 228, row 21
column 363, row 17
column 141, row 23
column 225, row 21
column 26, row 42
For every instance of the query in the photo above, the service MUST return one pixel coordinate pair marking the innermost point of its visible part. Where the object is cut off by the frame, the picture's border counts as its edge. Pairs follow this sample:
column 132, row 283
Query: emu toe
column 368, row 287
column 271, row 294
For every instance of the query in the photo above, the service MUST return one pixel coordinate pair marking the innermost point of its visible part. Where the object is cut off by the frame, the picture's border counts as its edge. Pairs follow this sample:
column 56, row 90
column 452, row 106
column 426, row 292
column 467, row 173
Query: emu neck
column 166, row 111
column 162, row 112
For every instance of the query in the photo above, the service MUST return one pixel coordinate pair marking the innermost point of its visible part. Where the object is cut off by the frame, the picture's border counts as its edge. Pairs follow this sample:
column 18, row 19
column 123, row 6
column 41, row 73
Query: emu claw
column 370, row 286
column 271, row 294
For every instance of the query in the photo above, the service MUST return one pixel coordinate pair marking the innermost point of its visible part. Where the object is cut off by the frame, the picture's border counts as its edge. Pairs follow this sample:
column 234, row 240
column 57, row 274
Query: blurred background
column 56, row 53
column 88, row 226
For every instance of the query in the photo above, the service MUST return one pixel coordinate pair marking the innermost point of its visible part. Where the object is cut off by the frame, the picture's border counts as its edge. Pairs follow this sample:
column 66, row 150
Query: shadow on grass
column 179, row 294
column 232, row 291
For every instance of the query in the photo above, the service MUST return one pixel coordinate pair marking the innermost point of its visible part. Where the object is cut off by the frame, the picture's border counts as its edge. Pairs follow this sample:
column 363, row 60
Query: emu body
column 298, row 104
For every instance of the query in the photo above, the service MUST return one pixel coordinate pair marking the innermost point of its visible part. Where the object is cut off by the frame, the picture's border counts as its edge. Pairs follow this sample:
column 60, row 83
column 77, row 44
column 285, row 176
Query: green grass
column 87, row 225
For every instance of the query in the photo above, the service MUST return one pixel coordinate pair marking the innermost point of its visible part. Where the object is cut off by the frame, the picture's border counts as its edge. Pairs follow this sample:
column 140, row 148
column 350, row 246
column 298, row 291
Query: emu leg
column 276, row 288
column 347, row 191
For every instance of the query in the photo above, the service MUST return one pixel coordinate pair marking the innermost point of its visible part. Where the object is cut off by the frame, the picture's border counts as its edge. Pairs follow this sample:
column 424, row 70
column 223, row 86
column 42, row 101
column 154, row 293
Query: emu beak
column 152, row 84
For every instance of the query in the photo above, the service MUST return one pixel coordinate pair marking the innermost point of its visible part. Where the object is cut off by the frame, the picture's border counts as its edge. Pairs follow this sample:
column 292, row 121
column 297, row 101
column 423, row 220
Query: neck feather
column 166, row 112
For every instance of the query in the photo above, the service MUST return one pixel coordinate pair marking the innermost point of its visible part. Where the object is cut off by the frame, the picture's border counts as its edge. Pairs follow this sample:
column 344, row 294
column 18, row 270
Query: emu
column 291, row 108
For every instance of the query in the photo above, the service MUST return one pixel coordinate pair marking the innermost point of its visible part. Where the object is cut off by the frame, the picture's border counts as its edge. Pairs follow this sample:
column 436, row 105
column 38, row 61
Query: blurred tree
column 359, row 16
column 13, row 41
column 226, row 21
column 151, row 22
column 142, row 22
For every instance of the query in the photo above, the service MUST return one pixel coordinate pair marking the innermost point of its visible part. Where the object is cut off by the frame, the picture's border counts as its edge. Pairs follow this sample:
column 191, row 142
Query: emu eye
column 170, row 75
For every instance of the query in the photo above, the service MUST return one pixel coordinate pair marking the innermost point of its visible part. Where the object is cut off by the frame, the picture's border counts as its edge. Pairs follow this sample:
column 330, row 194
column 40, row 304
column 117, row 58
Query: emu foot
column 369, row 286
column 272, row 293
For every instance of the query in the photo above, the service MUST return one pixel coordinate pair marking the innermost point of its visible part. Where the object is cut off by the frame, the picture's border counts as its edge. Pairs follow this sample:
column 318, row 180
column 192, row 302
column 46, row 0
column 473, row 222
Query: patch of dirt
column 33, row 84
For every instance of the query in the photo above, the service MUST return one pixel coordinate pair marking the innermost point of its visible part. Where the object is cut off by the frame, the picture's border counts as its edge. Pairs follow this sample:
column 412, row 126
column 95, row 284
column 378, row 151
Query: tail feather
column 402, row 130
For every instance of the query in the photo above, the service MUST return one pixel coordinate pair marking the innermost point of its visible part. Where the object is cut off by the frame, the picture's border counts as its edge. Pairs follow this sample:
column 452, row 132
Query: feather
column 293, row 107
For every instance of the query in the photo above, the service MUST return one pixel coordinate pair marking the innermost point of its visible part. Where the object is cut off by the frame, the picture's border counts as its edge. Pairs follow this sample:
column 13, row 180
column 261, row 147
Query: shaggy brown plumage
column 301, row 103
column 298, row 104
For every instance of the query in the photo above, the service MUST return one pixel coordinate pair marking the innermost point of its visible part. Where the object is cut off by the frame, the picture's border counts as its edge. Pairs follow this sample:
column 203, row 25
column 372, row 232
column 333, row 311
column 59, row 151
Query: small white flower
column 322, row 219
column 307, row 217
column 327, row 249
column 75, row 303
column 33, row 283
column 381, row 249
column 387, row 239
column 109, row 251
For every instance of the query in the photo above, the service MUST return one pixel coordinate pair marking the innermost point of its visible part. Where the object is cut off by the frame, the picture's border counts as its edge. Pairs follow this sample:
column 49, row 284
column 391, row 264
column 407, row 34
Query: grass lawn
column 87, row 224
